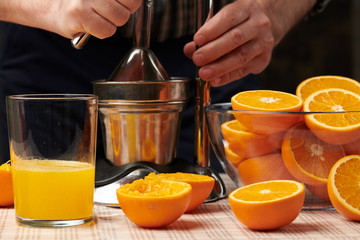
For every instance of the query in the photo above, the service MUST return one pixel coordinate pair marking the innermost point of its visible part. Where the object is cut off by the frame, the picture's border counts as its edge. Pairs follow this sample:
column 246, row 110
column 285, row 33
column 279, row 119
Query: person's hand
column 69, row 18
column 235, row 42
column 100, row 18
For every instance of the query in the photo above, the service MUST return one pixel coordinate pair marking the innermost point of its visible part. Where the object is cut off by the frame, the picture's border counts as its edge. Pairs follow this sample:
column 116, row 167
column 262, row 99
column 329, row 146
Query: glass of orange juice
column 53, row 147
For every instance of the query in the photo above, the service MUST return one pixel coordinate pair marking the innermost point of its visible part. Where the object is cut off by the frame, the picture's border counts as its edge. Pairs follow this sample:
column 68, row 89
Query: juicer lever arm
column 202, row 95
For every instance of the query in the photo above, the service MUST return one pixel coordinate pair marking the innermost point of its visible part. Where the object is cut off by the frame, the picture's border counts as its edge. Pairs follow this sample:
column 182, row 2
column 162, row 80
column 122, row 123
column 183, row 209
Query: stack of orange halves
column 312, row 137
column 160, row 199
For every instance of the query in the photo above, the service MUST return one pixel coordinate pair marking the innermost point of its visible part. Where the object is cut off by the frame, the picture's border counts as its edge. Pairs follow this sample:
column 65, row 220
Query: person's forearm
column 100, row 18
column 50, row 15
column 18, row 11
column 285, row 14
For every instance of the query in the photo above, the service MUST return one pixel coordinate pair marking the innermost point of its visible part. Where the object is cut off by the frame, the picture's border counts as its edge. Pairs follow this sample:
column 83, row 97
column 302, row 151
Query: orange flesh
column 272, row 191
column 347, row 180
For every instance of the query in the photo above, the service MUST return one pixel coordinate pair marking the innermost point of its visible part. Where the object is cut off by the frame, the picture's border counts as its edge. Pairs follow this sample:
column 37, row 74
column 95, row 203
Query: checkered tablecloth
column 213, row 220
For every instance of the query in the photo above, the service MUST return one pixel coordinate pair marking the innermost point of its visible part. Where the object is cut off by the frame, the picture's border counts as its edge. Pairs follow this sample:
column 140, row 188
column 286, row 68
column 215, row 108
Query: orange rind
column 6, row 185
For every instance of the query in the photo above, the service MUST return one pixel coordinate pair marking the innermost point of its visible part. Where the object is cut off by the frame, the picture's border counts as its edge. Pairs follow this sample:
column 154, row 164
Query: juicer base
column 109, row 177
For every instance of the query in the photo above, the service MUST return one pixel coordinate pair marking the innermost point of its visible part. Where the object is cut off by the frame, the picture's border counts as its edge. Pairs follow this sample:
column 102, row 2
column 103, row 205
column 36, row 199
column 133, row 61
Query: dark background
column 326, row 44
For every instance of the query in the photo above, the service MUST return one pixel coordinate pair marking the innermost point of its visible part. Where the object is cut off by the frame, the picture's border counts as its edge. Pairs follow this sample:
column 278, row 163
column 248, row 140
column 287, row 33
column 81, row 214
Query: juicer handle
column 202, row 95
column 79, row 41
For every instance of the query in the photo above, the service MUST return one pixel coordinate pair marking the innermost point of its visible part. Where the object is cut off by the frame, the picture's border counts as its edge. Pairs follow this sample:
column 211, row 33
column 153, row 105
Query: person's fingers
column 255, row 66
column 113, row 11
column 235, row 60
column 131, row 5
column 189, row 49
column 99, row 27
column 223, row 21
column 228, row 42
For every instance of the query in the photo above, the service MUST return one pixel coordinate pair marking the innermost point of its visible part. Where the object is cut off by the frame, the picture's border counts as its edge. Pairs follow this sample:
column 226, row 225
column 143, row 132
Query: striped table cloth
column 213, row 220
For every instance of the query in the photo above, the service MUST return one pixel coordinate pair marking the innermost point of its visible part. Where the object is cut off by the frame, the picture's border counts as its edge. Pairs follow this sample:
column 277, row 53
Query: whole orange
column 6, row 186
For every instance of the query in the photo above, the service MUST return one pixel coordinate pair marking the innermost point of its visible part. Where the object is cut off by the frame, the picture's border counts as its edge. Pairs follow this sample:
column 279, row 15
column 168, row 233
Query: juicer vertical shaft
column 202, row 95
column 143, row 24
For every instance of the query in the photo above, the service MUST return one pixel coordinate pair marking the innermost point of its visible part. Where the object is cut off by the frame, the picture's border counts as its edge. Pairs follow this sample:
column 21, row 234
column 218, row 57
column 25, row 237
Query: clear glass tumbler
column 53, row 150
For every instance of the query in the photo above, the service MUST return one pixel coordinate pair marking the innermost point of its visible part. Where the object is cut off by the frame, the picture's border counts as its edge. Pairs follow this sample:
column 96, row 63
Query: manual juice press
column 140, row 109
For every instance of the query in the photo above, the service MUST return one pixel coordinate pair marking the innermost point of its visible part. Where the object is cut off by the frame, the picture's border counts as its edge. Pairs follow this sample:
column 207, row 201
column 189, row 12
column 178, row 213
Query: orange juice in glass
column 52, row 147
column 42, row 181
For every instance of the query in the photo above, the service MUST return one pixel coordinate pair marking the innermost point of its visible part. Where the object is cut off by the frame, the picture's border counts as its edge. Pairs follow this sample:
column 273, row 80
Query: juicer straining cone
column 140, row 63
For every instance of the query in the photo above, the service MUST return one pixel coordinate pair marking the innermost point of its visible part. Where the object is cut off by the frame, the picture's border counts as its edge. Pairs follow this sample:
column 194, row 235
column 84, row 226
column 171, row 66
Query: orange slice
column 201, row 185
column 308, row 158
column 232, row 157
column 344, row 186
column 266, row 100
column 339, row 128
column 313, row 84
column 246, row 144
column 263, row 168
column 268, row 205
column 6, row 186
column 154, row 203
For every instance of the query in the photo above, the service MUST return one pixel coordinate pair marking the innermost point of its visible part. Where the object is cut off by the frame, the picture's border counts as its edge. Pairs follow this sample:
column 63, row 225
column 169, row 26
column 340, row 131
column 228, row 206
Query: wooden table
column 210, row 221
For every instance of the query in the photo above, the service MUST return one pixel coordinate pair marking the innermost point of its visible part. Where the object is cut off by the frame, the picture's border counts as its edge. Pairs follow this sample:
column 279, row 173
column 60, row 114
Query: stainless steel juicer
column 140, row 106
column 140, row 110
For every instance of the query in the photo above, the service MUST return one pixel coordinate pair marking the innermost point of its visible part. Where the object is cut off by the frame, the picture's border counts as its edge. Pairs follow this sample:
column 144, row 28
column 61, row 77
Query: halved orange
column 339, row 127
column 268, row 205
column 313, row 84
column 263, row 168
column 201, row 185
column 231, row 156
column 308, row 158
column 246, row 144
column 6, row 186
column 154, row 203
column 344, row 186
column 261, row 101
